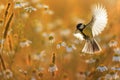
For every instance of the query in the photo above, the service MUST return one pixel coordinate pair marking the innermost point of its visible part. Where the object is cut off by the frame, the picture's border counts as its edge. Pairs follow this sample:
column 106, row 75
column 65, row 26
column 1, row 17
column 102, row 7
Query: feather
column 99, row 19
column 79, row 36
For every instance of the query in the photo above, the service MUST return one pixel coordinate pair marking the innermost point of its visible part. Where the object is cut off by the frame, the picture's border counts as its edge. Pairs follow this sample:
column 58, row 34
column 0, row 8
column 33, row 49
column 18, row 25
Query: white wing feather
column 79, row 36
column 99, row 19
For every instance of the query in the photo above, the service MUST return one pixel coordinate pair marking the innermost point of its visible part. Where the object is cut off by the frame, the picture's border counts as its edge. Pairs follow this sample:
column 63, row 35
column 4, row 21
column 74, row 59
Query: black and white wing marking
column 99, row 19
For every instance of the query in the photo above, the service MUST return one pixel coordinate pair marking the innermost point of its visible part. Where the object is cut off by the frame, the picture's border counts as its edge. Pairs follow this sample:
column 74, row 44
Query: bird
column 93, row 28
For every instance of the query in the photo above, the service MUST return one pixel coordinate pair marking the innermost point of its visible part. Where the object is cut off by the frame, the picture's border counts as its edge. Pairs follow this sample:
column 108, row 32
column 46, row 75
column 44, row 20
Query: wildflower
column 42, row 6
column 20, row 4
column 115, row 68
column 39, row 56
column 111, row 76
column 52, row 68
column 58, row 45
column 117, row 50
column 23, row 71
column 65, row 32
column 70, row 48
column 8, row 73
column 116, row 58
column 30, row 9
column 113, row 43
column 102, row 68
column 51, row 38
column 25, row 43
column 61, row 44
column 91, row 61
column 50, row 12
column 40, row 74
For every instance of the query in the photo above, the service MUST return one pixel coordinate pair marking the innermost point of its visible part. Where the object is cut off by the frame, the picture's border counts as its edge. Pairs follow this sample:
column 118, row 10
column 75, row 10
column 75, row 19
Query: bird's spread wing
column 99, row 19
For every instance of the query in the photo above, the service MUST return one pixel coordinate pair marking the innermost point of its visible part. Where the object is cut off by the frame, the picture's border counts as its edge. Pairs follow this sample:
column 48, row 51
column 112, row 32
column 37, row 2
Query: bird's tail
column 91, row 46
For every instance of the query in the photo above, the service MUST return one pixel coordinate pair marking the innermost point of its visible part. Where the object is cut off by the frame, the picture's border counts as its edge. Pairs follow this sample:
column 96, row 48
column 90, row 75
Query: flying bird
column 88, row 31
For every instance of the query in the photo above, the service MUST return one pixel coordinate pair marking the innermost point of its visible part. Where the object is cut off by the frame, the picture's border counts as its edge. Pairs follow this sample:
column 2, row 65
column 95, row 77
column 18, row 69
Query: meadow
column 37, row 42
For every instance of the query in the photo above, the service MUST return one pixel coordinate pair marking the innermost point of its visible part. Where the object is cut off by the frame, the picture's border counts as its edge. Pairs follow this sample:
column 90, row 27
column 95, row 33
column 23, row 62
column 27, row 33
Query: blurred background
column 40, row 44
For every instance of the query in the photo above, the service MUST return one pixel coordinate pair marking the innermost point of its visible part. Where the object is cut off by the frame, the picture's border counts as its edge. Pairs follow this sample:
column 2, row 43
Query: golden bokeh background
column 36, row 33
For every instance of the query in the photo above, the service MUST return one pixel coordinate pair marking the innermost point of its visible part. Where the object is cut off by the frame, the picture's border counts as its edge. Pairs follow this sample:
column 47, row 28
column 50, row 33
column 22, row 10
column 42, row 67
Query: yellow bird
column 93, row 28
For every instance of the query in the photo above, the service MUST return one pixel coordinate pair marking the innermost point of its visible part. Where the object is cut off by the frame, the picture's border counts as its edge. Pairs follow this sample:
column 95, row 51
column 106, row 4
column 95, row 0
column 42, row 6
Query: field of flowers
column 37, row 42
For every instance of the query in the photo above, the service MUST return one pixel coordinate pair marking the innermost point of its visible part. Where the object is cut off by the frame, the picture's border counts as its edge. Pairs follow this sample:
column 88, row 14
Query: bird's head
column 80, row 26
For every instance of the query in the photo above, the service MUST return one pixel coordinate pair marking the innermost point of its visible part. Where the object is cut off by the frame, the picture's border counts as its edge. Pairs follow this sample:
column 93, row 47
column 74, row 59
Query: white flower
column 58, row 46
column 30, row 9
column 102, row 68
column 52, row 68
column 20, row 4
column 61, row 44
column 112, row 76
column 39, row 56
column 50, row 12
column 65, row 32
column 113, row 43
column 117, row 50
column 90, row 60
column 23, row 71
column 42, row 6
column 8, row 73
column 70, row 48
column 51, row 38
column 25, row 43
column 116, row 58
column 115, row 68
